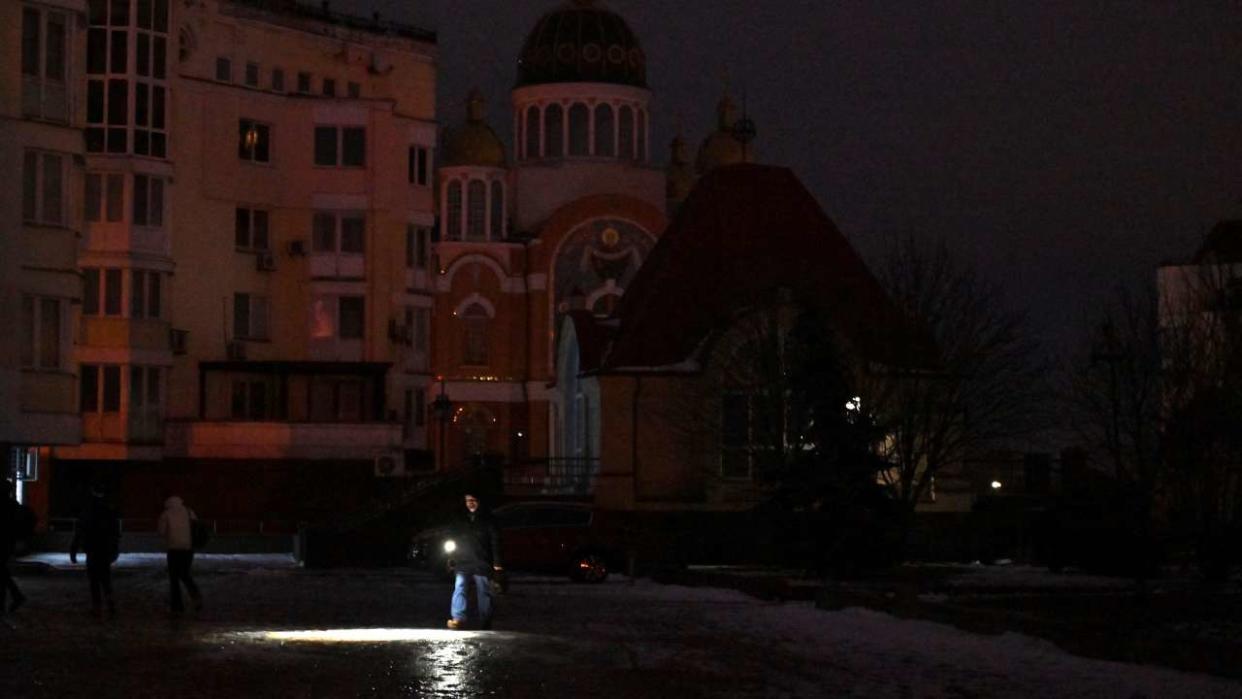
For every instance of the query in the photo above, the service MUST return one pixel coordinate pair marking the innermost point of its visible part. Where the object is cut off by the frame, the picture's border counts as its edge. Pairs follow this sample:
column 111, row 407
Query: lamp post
column 442, row 408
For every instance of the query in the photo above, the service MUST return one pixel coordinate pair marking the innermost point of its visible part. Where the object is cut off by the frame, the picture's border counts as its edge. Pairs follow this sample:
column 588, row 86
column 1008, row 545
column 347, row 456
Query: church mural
column 596, row 263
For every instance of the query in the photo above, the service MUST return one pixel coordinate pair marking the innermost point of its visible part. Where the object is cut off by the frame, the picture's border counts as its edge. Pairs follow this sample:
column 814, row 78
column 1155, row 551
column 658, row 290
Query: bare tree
column 967, row 375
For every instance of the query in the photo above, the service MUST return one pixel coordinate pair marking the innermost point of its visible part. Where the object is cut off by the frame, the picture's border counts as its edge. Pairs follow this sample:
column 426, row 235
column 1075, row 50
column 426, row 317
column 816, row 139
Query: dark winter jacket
column 478, row 544
column 98, row 532
column 8, row 526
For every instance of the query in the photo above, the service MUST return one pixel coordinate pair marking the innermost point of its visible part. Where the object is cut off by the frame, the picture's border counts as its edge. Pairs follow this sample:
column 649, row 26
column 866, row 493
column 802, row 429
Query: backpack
column 200, row 534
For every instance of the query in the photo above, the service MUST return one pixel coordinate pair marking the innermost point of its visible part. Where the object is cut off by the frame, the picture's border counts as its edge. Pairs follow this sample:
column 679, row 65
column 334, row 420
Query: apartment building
column 42, row 111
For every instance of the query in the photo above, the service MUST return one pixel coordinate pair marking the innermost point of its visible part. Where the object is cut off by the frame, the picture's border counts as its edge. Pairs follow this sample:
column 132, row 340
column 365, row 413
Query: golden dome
column 722, row 147
column 474, row 142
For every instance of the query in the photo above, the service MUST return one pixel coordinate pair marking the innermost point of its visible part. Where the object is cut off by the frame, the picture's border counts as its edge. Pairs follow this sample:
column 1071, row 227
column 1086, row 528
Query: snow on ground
column 620, row 639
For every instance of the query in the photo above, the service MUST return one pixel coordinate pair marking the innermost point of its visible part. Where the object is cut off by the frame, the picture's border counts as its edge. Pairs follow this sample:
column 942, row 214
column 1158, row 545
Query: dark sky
column 1067, row 146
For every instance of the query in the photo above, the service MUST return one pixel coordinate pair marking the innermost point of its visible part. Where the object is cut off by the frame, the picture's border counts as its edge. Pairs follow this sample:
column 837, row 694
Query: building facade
column 42, row 107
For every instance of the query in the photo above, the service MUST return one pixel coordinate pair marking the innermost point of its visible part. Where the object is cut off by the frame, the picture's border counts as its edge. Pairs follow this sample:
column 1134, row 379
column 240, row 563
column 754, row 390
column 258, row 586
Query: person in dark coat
column 10, row 512
column 475, row 558
column 98, row 534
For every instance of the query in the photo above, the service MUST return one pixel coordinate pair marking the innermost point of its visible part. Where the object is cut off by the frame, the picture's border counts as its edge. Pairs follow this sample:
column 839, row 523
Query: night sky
column 1067, row 146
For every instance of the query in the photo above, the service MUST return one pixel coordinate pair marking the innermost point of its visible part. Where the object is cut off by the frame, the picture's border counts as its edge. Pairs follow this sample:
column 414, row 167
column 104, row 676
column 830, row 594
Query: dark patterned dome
column 582, row 43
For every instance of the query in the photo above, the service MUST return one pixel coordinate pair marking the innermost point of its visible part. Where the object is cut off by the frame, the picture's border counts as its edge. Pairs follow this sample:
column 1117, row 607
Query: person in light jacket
column 174, row 526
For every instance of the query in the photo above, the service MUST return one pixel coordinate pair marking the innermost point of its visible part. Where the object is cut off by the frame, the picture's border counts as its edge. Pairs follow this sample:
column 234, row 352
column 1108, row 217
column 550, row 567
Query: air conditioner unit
column 389, row 466
column 235, row 350
column 297, row 248
column 177, row 340
column 265, row 261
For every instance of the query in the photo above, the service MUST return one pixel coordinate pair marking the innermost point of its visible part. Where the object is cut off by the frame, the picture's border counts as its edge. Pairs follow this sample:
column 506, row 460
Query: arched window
column 532, row 132
column 476, row 210
column 474, row 335
column 452, row 222
column 498, row 210
column 605, row 133
column 579, row 130
column 553, row 132
column 625, row 141
column 641, row 141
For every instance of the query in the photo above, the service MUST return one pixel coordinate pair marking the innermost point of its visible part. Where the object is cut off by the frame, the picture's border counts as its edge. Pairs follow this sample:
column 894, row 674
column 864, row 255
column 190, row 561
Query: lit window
column 253, row 141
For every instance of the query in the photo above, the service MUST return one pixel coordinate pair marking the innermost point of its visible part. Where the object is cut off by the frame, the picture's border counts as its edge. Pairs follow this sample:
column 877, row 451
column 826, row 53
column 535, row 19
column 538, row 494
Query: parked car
column 547, row 537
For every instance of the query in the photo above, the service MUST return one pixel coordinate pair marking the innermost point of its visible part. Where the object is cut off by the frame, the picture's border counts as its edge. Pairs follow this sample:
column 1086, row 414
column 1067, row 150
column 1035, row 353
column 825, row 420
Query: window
column 421, row 320
column 418, row 166
column 110, row 278
column 579, row 129
column 605, row 134
column 476, row 210
column 103, row 196
column 100, row 388
column 144, row 294
column 452, row 222
column 625, row 139
column 224, row 69
column 474, row 327
column 149, row 127
column 250, row 229
column 278, row 80
column 416, row 246
column 44, row 68
column 40, row 332
column 329, row 87
column 249, row 317
column 304, row 83
column 351, row 314
column 736, row 437
column 329, row 229
column 144, row 389
column 354, row 90
column 253, row 141
column 252, row 74
column 498, row 210
column 90, row 291
column 345, row 146
column 532, row 132
column 553, row 138
column 43, row 188
column 112, row 292
column 148, row 201
column 250, row 400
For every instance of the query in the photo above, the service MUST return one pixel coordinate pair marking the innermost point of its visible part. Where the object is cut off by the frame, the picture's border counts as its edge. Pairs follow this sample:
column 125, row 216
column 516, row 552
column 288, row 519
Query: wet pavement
column 272, row 629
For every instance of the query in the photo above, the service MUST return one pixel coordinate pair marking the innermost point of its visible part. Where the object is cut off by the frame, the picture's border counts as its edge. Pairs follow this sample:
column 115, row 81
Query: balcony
column 281, row 440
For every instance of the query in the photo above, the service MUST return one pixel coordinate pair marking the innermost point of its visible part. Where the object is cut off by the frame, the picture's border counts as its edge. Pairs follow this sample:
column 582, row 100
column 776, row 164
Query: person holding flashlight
column 476, row 555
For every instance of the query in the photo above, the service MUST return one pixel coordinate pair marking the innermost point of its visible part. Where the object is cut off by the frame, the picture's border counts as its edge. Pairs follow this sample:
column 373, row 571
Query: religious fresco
column 596, row 264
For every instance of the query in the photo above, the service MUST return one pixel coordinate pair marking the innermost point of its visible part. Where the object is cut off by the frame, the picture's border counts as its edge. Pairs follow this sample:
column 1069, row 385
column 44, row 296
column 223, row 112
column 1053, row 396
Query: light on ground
column 360, row 635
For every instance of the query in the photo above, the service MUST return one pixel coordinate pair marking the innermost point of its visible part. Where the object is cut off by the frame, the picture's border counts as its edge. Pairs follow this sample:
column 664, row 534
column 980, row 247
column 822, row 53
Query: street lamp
column 442, row 408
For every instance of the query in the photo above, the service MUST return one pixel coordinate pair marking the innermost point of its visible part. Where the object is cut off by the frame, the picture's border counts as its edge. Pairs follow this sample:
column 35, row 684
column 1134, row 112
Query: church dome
column 474, row 142
column 721, row 147
column 581, row 42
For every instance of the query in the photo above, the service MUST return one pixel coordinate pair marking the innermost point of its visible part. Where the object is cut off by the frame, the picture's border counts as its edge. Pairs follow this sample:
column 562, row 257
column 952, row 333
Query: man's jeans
column 483, row 591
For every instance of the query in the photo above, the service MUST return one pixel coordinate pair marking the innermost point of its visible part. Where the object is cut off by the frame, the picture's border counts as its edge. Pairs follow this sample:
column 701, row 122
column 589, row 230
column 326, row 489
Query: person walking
column 12, row 516
column 98, row 534
column 476, row 557
column 176, row 528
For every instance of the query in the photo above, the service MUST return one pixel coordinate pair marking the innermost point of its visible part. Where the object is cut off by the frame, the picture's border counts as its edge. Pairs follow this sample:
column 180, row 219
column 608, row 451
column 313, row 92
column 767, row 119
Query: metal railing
column 563, row 476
